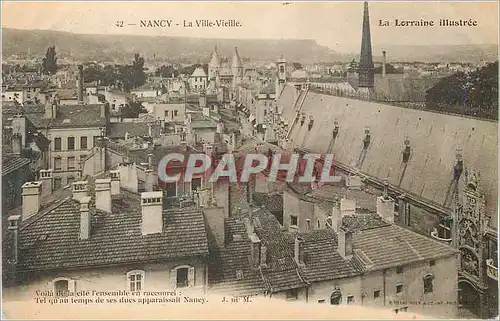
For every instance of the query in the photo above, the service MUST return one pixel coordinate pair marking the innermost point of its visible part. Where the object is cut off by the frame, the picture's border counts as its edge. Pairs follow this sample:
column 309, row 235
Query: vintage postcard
column 249, row 160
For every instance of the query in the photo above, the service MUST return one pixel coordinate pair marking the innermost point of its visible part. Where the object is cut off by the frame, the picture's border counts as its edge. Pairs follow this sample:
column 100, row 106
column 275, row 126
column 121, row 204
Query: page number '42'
column 119, row 24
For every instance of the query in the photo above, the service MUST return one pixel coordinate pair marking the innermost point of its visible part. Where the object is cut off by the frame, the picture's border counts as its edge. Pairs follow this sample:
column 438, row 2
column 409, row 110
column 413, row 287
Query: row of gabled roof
column 376, row 243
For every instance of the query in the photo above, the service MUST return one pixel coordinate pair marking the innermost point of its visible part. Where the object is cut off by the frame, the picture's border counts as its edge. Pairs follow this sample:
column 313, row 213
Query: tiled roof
column 282, row 271
column 323, row 261
column 392, row 245
column 52, row 240
column 434, row 139
column 118, row 130
column 12, row 163
column 360, row 222
column 68, row 116
column 235, row 256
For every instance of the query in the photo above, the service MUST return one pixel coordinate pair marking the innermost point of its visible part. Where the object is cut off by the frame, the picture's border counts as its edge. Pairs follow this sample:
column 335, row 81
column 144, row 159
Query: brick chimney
column 12, row 246
column 115, row 182
column 255, row 250
column 344, row 247
column 383, row 64
column 354, row 182
column 347, row 207
column 299, row 250
column 152, row 212
column 80, row 190
column 80, row 84
column 385, row 205
column 32, row 192
column 103, row 194
column 13, row 229
column 51, row 108
column 16, row 143
column 150, row 180
column 46, row 179
column 263, row 256
column 85, row 218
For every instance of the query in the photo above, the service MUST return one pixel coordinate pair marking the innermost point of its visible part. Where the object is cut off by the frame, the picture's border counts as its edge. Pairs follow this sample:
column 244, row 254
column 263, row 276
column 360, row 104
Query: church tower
column 366, row 70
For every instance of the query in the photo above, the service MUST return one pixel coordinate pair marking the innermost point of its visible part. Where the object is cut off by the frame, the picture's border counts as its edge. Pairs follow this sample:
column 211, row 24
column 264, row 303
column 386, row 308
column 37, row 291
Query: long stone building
column 442, row 168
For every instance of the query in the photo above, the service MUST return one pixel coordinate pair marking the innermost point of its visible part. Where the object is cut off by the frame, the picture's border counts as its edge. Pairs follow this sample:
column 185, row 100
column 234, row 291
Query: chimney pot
column 263, row 256
column 32, row 192
column 103, row 194
column 85, row 218
column 13, row 234
column 344, row 243
column 16, row 143
column 152, row 212
column 385, row 208
column 255, row 250
column 46, row 179
column 80, row 189
column 115, row 182
column 299, row 250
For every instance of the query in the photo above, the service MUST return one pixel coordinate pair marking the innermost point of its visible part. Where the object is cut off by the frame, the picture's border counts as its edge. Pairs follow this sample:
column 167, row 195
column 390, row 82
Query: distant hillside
column 122, row 47
column 438, row 53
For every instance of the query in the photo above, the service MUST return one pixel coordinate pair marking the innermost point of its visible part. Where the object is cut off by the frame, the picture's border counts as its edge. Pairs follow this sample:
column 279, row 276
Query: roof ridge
column 50, row 207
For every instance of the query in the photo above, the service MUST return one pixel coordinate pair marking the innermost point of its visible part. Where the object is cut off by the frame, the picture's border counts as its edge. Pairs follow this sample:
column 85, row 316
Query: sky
column 336, row 25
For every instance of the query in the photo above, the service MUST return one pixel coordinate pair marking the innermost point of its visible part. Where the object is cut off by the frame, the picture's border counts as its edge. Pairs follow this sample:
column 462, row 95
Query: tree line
column 471, row 94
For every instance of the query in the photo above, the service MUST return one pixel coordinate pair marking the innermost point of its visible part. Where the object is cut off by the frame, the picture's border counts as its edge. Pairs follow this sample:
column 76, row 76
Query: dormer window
column 367, row 139
column 406, row 150
column 311, row 123
column 239, row 274
column 335, row 129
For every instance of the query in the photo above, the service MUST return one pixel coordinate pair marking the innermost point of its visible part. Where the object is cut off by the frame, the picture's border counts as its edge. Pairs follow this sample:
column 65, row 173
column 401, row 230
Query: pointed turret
column 214, row 65
column 237, row 65
column 366, row 69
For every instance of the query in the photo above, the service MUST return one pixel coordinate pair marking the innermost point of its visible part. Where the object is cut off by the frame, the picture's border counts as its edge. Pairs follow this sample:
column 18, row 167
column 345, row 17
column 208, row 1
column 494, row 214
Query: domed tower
column 214, row 65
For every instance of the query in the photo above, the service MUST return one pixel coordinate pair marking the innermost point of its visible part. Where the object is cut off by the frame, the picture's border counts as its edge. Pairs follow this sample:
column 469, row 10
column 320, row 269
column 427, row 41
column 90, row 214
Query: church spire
column 366, row 69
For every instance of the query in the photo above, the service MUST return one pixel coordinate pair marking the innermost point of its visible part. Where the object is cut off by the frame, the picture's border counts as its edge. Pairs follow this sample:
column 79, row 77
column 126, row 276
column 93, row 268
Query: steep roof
column 52, row 240
column 68, row 116
column 199, row 72
column 215, row 61
column 236, row 63
column 11, row 163
column 234, row 258
column 434, row 140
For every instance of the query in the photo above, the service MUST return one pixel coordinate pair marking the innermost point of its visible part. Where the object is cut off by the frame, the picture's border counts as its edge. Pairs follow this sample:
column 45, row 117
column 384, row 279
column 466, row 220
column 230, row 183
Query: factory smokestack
column 383, row 64
column 80, row 84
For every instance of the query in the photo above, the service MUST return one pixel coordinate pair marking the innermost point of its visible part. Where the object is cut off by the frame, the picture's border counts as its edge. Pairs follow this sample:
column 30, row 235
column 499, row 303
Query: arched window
column 135, row 280
column 428, row 283
column 63, row 286
column 336, row 298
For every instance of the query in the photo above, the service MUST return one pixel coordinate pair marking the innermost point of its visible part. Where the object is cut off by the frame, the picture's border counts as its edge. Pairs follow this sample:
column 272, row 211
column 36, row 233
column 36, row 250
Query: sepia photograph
column 249, row 160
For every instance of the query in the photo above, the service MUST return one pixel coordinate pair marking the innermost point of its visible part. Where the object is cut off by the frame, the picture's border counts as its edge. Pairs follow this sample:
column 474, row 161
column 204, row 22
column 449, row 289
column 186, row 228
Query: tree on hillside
column 389, row 69
column 133, row 109
column 49, row 63
column 166, row 71
column 138, row 76
column 473, row 94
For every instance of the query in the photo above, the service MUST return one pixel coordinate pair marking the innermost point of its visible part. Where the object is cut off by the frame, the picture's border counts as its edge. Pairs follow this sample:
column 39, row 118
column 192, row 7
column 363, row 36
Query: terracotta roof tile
column 115, row 238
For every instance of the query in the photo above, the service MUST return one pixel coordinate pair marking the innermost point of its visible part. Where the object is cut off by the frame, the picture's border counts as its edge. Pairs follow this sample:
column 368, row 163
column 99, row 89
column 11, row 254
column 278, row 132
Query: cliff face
column 100, row 47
